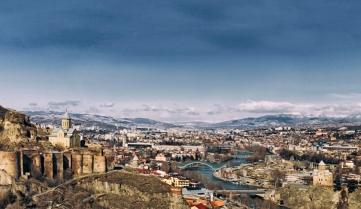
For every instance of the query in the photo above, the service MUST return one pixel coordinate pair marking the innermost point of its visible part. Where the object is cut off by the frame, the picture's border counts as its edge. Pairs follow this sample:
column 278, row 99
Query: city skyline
column 188, row 61
column 180, row 104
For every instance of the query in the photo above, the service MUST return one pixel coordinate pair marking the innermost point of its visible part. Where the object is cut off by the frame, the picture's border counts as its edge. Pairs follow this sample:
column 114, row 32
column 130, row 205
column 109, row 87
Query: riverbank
column 206, row 174
column 239, row 181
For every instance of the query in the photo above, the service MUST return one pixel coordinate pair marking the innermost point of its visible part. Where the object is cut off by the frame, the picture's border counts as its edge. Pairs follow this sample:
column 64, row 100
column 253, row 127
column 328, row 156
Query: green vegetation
column 310, row 197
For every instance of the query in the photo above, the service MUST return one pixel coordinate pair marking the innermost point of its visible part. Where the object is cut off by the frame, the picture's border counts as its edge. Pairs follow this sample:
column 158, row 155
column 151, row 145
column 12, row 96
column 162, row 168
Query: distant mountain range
column 278, row 120
column 88, row 120
column 107, row 122
column 286, row 120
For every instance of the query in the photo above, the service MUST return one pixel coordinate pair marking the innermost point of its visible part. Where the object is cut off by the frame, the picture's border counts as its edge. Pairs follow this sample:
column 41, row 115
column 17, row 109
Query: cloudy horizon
column 182, row 60
column 176, row 112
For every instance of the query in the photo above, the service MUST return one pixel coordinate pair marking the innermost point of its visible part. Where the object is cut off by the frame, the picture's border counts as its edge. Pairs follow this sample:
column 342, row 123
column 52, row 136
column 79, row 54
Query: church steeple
column 66, row 121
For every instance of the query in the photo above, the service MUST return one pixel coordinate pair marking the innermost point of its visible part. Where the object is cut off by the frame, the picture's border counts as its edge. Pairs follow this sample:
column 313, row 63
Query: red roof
column 201, row 206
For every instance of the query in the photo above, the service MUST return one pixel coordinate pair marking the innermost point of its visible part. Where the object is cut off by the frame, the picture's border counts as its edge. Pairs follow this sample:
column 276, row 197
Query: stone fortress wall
column 9, row 161
column 51, row 165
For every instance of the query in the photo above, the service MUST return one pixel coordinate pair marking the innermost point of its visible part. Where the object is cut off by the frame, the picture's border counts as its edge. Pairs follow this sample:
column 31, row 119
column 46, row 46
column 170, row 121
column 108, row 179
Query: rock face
column 114, row 190
column 15, row 126
column 310, row 198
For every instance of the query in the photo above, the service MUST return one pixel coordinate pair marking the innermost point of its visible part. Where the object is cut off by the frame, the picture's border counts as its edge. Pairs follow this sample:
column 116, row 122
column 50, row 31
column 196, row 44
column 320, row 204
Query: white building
column 322, row 176
column 160, row 157
column 65, row 136
column 348, row 164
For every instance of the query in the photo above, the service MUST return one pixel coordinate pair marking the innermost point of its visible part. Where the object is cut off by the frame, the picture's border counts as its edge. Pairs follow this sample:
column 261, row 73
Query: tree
column 276, row 177
column 337, row 184
column 343, row 202
column 165, row 167
column 352, row 185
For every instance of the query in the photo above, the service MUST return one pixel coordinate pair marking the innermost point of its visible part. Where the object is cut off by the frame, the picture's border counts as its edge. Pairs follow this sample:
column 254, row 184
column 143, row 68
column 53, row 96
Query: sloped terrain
column 312, row 197
column 89, row 120
column 15, row 126
column 119, row 189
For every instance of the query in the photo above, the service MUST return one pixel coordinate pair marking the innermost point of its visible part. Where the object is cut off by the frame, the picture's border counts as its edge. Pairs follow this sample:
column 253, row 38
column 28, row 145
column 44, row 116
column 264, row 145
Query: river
column 206, row 173
column 205, row 176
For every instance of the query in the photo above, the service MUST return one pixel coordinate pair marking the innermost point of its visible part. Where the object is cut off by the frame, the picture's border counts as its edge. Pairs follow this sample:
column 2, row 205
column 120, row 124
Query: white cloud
column 63, row 104
column 272, row 107
column 349, row 96
column 266, row 107
column 168, row 111
column 107, row 105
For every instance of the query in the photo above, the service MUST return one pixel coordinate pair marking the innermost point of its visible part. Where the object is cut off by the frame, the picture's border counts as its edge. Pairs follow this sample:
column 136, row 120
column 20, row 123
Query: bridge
column 212, row 166
column 198, row 163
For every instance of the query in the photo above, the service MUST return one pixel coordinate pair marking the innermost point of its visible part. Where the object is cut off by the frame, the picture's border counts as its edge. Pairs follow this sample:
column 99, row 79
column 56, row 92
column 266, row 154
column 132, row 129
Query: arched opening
column 42, row 166
column 66, row 163
column 55, row 166
column 27, row 164
column 28, row 134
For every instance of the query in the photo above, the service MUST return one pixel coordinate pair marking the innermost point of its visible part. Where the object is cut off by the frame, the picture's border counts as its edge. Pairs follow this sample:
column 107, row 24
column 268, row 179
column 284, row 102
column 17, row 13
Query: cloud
column 261, row 107
column 161, row 109
column 93, row 110
column 63, row 104
column 254, row 108
column 182, row 27
column 33, row 104
column 347, row 96
column 274, row 107
column 222, row 109
column 173, row 112
column 221, row 112
column 107, row 105
column 193, row 113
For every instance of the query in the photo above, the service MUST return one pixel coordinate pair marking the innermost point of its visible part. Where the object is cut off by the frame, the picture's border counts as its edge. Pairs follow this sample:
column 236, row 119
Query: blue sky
column 182, row 60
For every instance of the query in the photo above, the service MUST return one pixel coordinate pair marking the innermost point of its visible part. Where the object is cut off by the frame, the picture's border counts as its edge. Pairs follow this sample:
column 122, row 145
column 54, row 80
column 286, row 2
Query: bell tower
column 66, row 121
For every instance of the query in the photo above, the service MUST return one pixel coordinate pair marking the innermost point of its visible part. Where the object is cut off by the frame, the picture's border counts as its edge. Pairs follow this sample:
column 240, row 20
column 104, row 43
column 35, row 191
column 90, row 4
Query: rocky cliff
column 117, row 189
column 309, row 198
column 15, row 126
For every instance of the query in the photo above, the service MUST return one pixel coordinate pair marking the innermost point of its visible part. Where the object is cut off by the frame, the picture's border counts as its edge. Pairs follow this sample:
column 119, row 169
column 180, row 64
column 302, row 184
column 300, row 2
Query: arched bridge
column 194, row 164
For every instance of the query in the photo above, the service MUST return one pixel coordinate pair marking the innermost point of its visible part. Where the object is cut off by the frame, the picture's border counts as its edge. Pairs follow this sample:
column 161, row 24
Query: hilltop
column 118, row 189
column 101, row 121
column 15, row 126
column 266, row 121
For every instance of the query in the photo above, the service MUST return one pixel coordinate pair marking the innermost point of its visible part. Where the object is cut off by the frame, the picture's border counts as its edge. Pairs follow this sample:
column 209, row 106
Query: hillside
column 287, row 120
column 111, row 123
column 268, row 121
column 15, row 126
column 89, row 120
column 122, row 189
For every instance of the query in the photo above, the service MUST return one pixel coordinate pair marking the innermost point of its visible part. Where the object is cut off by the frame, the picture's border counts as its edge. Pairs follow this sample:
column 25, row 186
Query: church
column 322, row 176
column 65, row 136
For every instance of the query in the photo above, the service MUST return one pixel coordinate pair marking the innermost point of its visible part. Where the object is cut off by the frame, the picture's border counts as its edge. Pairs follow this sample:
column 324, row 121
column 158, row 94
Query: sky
column 182, row 60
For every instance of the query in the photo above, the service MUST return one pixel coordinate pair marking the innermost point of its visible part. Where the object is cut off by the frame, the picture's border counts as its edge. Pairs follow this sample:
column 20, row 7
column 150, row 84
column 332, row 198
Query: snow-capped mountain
column 107, row 122
column 287, row 120
column 88, row 120
column 278, row 120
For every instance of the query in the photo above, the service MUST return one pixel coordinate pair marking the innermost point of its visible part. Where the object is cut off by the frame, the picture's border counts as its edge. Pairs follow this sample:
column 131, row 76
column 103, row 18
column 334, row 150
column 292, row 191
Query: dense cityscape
column 180, row 104
column 66, row 164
